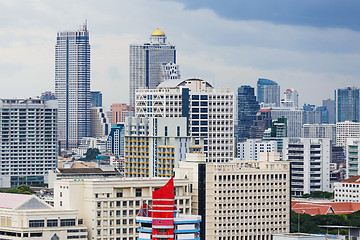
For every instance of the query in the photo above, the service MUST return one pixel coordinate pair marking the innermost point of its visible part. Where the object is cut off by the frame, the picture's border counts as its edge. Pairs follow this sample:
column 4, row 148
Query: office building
column 330, row 107
column 210, row 112
column 28, row 141
column 277, row 132
column 99, row 126
column 262, row 122
column 352, row 157
column 251, row 149
column 320, row 131
column 311, row 114
column 108, row 207
column 291, row 98
column 310, row 164
column 348, row 190
column 146, row 62
column 28, row 217
column 165, row 221
column 115, row 143
column 170, row 71
column 154, row 146
column 247, row 108
column 96, row 99
column 345, row 130
column 91, row 142
column 48, row 95
column 294, row 116
column 347, row 104
column 239, row 200
column 72, row 86
column 120, row 111
column 268, row 92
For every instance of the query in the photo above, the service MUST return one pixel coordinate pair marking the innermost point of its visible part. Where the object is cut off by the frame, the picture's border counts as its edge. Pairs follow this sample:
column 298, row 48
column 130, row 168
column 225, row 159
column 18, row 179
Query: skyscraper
column 347, row 103
column 291, row 98
column 146, row 62
column 268, row 92
column 247, row 110
column 96, row 99
column 72, row 86
column 330, row 107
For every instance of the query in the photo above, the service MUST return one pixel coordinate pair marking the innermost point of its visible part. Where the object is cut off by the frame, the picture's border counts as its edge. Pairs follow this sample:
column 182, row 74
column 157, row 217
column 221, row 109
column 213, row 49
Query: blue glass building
column 96, row 99
column 347, row 103
column 268, row 92
column 115, row 142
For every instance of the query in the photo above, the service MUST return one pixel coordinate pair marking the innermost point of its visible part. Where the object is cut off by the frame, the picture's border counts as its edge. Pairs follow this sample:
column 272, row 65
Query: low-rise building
column 251, row 149
column 28, row 217
column 348, row 190
column 352, row 149
column 345, row 130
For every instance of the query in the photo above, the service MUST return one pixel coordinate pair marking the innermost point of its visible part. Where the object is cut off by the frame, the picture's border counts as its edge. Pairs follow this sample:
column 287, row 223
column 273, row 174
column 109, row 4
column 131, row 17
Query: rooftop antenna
column 85, row 25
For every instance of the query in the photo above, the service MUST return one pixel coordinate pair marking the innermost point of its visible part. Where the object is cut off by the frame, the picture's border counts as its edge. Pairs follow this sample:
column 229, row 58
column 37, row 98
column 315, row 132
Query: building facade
column 310, row 164
column 96, row 99
column 210, row 112
column 291, row 98
column 99, row 126
column 347, row 190
column 29, row 141
column 294, row 116
column 109, row 207
column 120, row 111
column 320, row 131
column 115, row 143
column 268, row 92
column 170, row 71
column 345, row 130
column 247, row 108
column 251, row 149
column 261, row 122
column 330, row 107
column 146, row 62
column 155, row 146
column 352, row 149
column 347, row 104
column 72, row 86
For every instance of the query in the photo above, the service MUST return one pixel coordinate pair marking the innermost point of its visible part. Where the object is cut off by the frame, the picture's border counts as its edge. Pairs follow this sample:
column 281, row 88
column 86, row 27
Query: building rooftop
column 353, row 179
column 21, row 202
column 315, row 208
column 157, row 32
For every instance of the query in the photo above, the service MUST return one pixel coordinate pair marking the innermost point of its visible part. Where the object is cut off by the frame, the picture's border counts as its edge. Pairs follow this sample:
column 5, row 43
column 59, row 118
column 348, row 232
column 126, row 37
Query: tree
column 91, row 154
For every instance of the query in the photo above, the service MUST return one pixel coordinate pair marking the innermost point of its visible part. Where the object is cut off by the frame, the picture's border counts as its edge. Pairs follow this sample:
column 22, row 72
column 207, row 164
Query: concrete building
column 277, row 132
column 72, row 86
column 96, row 99
column 345, row 130
column 28, row 141
column 319, row 131
column 352, row 149
column 210, row 112
column 161, row 220
column 115, row 143
column 310, row 164
column 28, row 217
column 347, row 104
column 48, row 95
column 311, row 114
column 251, row 149
column 155, row 146
column 330, row 107
column 268, row 92
column 291, row 99
column 99, row 126
column 90, row 142
column 108, row 207
column 120, row 111
column 170, row 71
column 347, row 190
column 294, row 116
column 261, row 122
column 239, row 200
column 146, row 62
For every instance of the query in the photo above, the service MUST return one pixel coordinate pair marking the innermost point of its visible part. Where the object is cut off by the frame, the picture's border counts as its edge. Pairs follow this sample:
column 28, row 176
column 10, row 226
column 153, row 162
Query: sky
column 311, row 46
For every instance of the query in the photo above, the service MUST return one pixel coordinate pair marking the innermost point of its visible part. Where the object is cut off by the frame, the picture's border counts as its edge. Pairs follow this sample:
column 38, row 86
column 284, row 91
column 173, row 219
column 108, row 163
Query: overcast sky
column 311, row 46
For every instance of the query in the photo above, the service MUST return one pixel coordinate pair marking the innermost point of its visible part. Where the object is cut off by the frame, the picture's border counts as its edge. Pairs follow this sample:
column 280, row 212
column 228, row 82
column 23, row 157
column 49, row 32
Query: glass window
column 36, row 223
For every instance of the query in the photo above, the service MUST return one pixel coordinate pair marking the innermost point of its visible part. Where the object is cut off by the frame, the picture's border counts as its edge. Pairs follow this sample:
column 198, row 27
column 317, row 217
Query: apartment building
column 352, row 157
column 345, row 130
column 251, row 149
column 347, row 190
column 108, row 207
column 319, row 131
column 210, row 112
column 239, row 200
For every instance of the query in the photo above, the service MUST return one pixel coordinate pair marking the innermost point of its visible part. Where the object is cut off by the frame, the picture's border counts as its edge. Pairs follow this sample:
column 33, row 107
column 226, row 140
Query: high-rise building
column 310, row 164
column 330, row 107
column 294, row 116
column 277, row 132
column 247, row 110
column 28, row 141
column 48, row 95
column 154, row 146
column 115, row 143
column 311, row 114
column 261, row 122
column 352, row 157
column 99, row 126
column 251, row 149
column 170, row 71
column 120, row 111
column 96, row 99
column 146, row 62
column 210, row 112
column 320, row 131
column 268, row 92
column 345, row 130
column 72, row 86
column 291, row 98
column 347, row 104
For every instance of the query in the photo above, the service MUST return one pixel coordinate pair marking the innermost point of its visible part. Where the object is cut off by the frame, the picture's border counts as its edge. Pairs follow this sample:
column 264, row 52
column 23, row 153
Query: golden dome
column 157, row 32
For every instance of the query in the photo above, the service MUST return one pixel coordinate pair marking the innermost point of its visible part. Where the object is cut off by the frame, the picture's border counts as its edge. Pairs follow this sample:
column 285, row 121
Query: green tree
column 91, row 154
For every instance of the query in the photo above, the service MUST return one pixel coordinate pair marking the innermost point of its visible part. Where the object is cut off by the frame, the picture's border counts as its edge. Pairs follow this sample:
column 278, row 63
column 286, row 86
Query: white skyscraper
column 210, row 112
column 291, row 98
column 72, row 86
column 146, row 62
column 294, row 116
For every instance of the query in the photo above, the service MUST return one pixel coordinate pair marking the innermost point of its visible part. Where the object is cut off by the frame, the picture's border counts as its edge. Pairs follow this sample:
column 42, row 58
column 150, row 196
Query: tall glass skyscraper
column 146, row 62
column 268, row 92
column 247, row 110
column 72, row 86
column 347, row 103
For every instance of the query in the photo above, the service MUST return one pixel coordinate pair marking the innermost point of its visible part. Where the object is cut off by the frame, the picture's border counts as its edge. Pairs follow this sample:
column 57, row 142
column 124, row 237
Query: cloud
column 230, row 52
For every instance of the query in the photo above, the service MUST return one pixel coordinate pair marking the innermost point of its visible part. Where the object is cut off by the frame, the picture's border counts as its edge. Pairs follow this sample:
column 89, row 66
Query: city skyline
column 228, row 50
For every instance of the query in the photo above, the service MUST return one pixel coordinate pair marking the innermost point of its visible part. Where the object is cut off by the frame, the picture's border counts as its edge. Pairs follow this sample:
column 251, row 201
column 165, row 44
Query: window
column 166, row 131
column 36, row 223
column 52, row 222
column 138, row 192
column 67, row 222
column 178, row 131
column 119, row 193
